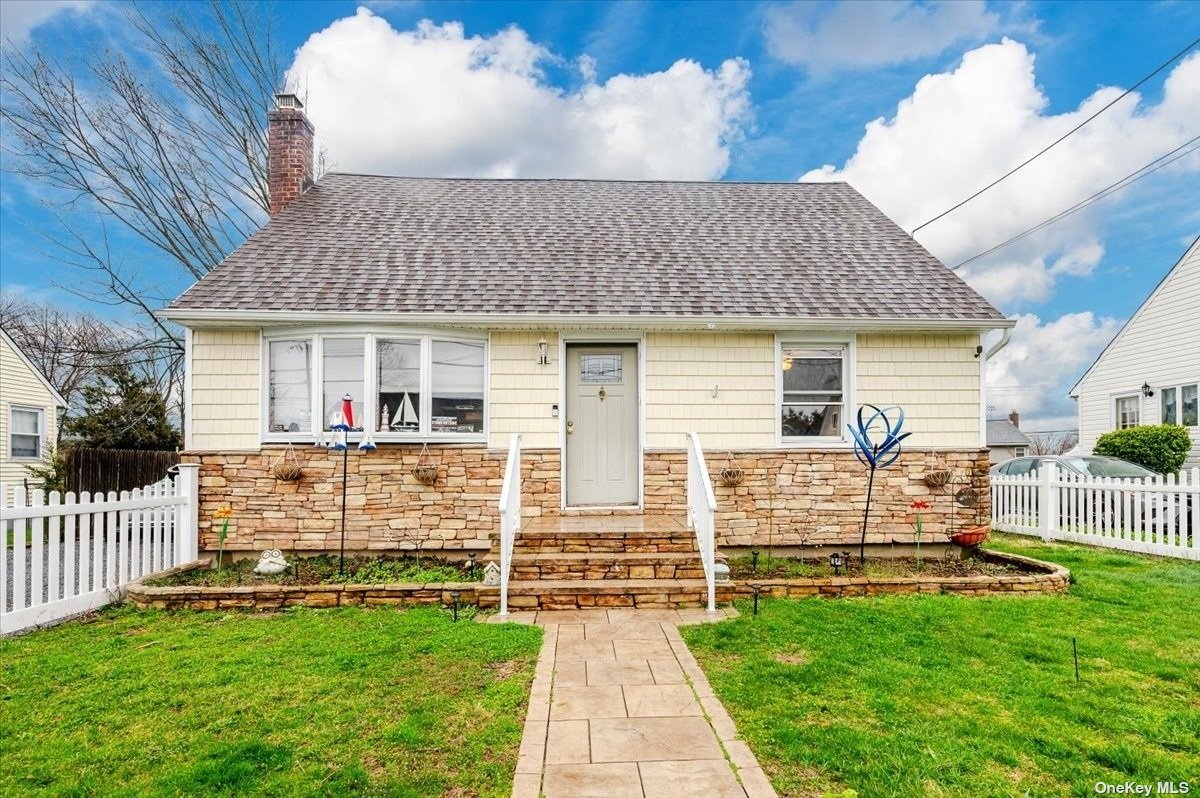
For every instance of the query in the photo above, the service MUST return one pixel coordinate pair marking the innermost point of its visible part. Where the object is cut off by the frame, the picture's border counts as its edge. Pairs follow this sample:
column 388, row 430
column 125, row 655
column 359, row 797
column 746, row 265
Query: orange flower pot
column 971, row 535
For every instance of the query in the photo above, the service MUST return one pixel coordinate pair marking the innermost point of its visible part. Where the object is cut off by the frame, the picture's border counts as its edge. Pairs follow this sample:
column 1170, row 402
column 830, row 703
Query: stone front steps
column 591, row 565
column 626, row 560
column 607, row 594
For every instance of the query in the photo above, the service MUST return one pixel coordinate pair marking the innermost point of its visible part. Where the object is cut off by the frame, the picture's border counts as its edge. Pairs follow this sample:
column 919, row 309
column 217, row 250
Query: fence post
column 187, row 525
column 1047, row 501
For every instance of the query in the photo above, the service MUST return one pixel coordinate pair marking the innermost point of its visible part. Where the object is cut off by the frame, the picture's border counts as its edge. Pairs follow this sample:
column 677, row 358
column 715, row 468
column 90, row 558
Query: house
column 600, row 320
column 1005, row 439
column 1150, row 372
column 29, row 408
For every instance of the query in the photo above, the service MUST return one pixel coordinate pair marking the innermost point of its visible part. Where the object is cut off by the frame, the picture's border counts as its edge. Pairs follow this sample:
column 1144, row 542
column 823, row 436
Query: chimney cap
column 288, row 100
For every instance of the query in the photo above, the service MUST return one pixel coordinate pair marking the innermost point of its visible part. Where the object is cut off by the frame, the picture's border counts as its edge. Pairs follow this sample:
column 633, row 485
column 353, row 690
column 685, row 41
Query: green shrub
column 1162, row 448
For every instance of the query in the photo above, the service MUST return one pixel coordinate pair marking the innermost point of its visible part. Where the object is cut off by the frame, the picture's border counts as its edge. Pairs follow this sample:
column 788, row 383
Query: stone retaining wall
column 1046, row 578
column 790, row 497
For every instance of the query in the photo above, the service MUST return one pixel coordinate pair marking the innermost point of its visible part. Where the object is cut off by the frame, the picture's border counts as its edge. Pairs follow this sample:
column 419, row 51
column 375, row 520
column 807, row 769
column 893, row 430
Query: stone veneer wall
column 810, row 497
column 789, row 497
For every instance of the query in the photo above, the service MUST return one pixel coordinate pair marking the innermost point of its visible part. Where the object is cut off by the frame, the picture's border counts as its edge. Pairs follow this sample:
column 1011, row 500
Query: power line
column 1059, row 140
column 1125, row 182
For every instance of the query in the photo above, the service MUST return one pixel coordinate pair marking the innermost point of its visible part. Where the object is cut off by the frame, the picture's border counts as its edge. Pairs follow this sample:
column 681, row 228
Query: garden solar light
column 454, row 594
column 754, row 560
column 757, row 588
column 836, row 561
column 471, row 562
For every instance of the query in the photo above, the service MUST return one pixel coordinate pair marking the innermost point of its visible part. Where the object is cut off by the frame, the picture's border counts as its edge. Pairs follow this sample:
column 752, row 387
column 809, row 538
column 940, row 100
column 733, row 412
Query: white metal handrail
column 702, row 508
column 510, row 515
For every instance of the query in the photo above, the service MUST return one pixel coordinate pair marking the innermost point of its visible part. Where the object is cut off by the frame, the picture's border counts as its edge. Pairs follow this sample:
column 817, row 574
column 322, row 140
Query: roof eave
column 192, row 317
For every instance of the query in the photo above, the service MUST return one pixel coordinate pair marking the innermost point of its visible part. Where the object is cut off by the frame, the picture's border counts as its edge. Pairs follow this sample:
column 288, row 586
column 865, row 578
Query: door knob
column 570, row 427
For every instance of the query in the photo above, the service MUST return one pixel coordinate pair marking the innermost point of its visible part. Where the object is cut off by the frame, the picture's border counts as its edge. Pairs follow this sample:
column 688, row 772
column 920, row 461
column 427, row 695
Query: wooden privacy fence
column 1150, row 516
column 102, row 470
column 74, row 553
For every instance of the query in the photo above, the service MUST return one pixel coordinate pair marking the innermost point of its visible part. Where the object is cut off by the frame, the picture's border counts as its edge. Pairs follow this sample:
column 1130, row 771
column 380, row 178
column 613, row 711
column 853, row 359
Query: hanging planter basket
column 731, row 476
column 970, row 536
column 937, row 478
column 287, row 467
column 425, row 471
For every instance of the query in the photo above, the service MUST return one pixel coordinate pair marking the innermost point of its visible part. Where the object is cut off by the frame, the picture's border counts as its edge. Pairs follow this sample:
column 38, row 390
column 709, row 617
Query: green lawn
column 948, row 696
column 328, row 702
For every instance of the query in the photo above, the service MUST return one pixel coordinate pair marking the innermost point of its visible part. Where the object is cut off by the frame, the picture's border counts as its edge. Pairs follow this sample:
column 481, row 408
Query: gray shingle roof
column 1001, row 432
column 422, row 245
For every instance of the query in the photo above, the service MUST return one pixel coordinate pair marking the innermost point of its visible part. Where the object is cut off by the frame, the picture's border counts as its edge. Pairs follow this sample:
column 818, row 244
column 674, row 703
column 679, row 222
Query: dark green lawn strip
column 329, row 702
column 947, row 696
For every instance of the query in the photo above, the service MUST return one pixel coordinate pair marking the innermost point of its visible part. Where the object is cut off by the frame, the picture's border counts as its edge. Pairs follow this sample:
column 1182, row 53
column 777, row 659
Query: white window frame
column 1178, row 389
column 1116, row 415
column 848, row 344
column 41, row 433
column 370, row 399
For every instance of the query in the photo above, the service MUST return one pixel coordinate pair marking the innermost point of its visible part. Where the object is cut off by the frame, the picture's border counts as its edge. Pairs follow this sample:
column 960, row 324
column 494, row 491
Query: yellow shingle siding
column 225, row 386
column 933, row 376
column 682, row 371
column 21, row 386
column 521, row 391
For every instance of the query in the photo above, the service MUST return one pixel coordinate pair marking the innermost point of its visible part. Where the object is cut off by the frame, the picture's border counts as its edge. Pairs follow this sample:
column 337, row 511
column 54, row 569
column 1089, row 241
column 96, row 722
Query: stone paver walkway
column 620, row 708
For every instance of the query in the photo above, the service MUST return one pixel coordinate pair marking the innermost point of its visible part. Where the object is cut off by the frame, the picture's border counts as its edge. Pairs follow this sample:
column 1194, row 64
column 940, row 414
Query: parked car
column 1097, row 466
column 1082, row 465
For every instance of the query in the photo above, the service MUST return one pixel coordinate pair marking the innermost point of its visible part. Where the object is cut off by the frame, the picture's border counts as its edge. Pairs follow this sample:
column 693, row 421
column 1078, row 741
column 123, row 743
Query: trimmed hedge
column 1162, row 448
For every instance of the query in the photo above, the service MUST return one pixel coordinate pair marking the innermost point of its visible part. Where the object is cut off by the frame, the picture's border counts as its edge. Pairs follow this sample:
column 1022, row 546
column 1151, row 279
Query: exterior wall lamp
column 543, row 352
column 1147, row 391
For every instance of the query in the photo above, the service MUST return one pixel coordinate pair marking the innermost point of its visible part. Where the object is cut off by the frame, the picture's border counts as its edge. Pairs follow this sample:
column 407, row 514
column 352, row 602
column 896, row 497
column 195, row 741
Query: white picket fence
column 71, row 554
column 1151, row 516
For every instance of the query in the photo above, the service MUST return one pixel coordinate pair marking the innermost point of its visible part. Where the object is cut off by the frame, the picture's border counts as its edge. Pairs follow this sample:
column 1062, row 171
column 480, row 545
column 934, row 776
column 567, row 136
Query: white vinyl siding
column 22, row 388
column 1159, row 346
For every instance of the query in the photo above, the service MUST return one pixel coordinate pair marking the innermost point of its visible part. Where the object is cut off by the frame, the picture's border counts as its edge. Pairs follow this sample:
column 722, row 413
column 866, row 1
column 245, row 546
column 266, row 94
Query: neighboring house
column 29, row 408
column 1150, row 372
column 1005, row 439
column 601, row 320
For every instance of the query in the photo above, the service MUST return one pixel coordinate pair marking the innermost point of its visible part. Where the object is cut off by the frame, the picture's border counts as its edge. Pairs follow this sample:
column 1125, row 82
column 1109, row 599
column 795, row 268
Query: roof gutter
column 265, row 318
column 1003, row 342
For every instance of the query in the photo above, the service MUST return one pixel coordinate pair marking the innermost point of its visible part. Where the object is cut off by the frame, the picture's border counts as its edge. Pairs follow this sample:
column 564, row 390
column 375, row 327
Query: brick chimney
column 289, row 151
column 1014, row 418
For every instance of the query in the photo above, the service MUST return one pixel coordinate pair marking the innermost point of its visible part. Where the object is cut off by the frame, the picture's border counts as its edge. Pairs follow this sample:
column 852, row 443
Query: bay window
column 289, row 393
column 813, row 391
column 401, row 385
column 457, row 387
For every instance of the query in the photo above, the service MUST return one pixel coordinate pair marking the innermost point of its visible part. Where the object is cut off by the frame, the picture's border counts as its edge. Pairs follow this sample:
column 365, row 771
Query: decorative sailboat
column 406, row 415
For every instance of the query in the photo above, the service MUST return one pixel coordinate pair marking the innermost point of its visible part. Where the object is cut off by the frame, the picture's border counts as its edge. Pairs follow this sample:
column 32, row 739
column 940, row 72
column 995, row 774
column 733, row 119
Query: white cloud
column 18, row 18
column 870, row 33
column 959, row 130
column 433, row 101
column 1044, row 358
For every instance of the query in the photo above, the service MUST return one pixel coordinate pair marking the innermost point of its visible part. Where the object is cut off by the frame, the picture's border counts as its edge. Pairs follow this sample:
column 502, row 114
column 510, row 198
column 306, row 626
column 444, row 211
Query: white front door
column 602, row 425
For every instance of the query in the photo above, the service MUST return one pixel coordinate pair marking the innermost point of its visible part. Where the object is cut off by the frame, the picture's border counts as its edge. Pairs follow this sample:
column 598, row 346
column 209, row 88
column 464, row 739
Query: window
column 599, row 368
column 1128, row 412
column 1187, row 396
column 342, row 369
column 1170, row 405
column 25, row 426
column 290, row 396
column 400, row 385
column 398, row 378
column 1019, row 468
column 1179, row 405
column 812, row 398
column 457, row 387
column 1019, row 451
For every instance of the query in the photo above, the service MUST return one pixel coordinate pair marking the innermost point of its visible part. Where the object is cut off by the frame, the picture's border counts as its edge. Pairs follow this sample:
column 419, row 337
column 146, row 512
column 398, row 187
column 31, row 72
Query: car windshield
column 1108, row 467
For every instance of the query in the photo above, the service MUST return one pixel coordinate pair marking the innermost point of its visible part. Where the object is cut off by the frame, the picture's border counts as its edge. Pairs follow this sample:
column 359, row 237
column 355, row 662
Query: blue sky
column 745, row 91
